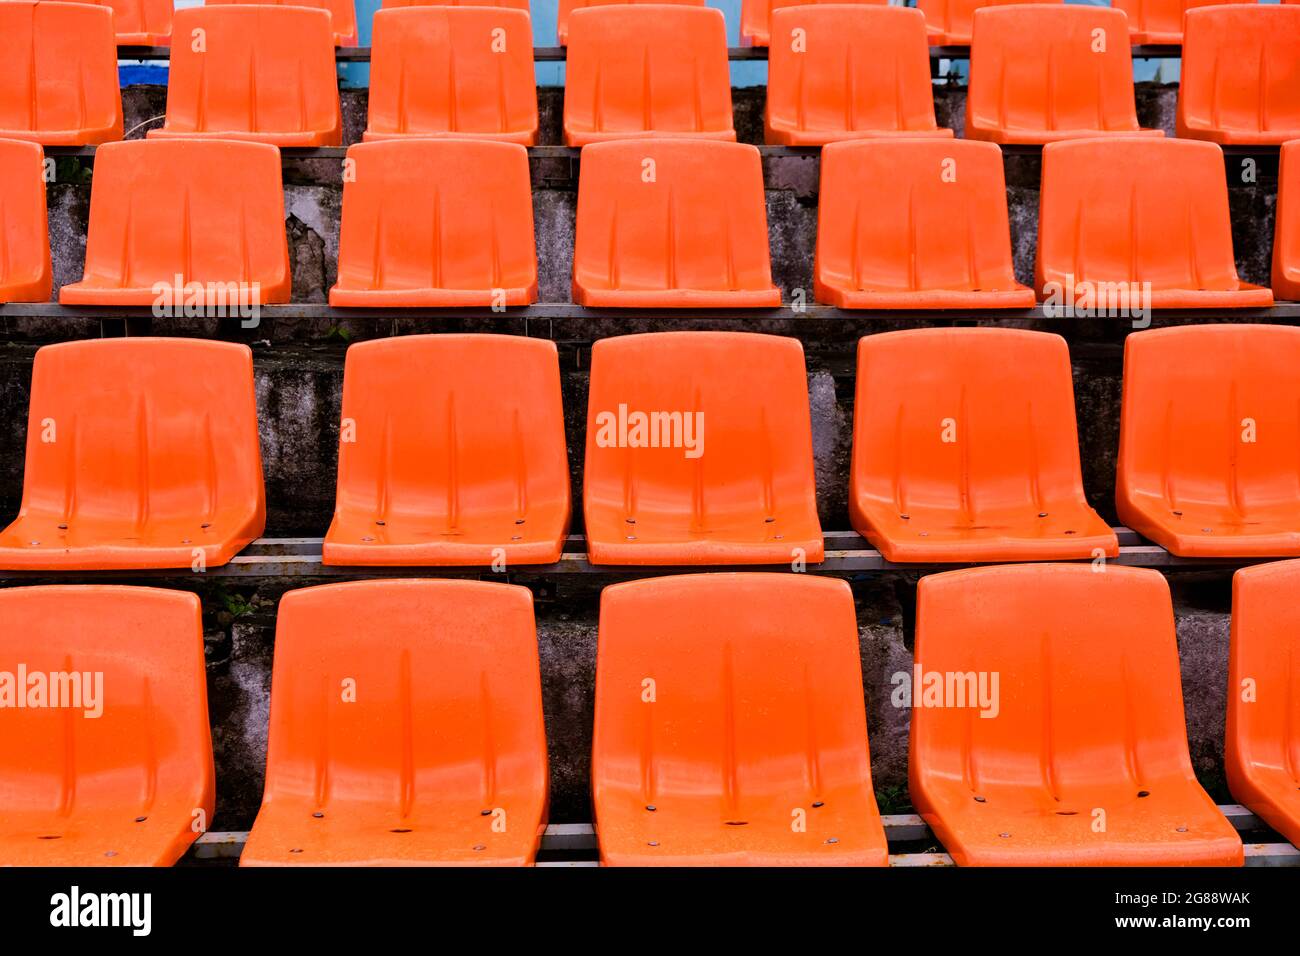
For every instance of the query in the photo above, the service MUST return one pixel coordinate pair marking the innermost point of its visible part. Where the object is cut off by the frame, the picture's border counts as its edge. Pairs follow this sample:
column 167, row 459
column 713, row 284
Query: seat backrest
column 1135, row 210
column 24, row 228
column 206, row 210
column 1263, row 672
column 914, row 214
column 1241, row 69
column 954, row 17
column 671, row 214
column 850, row 67
column 756, row 15
column 1162, row 16
column 131, row 726
column 965, row 419
column 252, row 68
column 751, row 395
column 728, row 685
column 452, row 70
column 568, row 6
column 405, row 689
column 1211, row 413
column 1286, row 236
column 1050, row 67
column 134, row 17
column 637, row 67
column 441, row 214
column 1088, row 687
column 145, row 427
column 343, row 14
column 58, row 69
column 443, row 423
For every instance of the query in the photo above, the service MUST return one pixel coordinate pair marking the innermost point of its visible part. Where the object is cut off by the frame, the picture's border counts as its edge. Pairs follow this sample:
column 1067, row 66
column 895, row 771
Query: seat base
column 1040, row 137
column 29, row 290
column 1175, row 824
column 285, row 138
column 1272, row 795
column 432, row 298
column 1286, row 284
column 524, row 137
column 1215, row 531
column 677, row 298
column 411, row 542
column 1236, row 137
column 779, row 135
column 286, row 833
column 653, row 541
column 95, row 838
column 37, row 543
column 587, row 137
column 1066, row 532
column 91, row 293
column 65, row 137
column 1020, row 297
column 844, row 830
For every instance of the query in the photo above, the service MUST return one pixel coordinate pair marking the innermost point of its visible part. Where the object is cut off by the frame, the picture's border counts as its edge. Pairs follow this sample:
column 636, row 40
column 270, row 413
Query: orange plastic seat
column 1286, row 235
column 730, row 728
column 1043, row 72
column 568, row 6
column 848, row 72
column 141, row 453
column 453, row 72
column 699, row 451
column 1077, row 755
column 654, row 69
column 437, row 223
column 915, row 224
column 58, row 74
column 1117, row 214
column 1208, row 436
column 948, row 22
column 1161, row 21
column 1261, row 748
column 756, row 16
column 672, row 224
column 112, row 764
column 141, row 22
column 406, row 728
column 264, row 73
column 200, row 223
column 1241, row 74
column 343, row 15
column 456, row 453
column 25, row 274
column 965, row 449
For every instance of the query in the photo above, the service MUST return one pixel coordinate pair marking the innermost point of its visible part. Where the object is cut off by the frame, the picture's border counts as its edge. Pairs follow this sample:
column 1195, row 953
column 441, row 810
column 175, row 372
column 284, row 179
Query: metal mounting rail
column 578, row 841
column 847, row 553
column 565, row 311
column 574, row 153
column 551, row 54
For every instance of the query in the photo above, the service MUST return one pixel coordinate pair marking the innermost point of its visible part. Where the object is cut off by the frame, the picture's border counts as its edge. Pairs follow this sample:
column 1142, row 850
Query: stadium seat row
column 1039, row 73
column 406, row 723
column 143, row 453
column 948, row 22
column 1125, row 225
